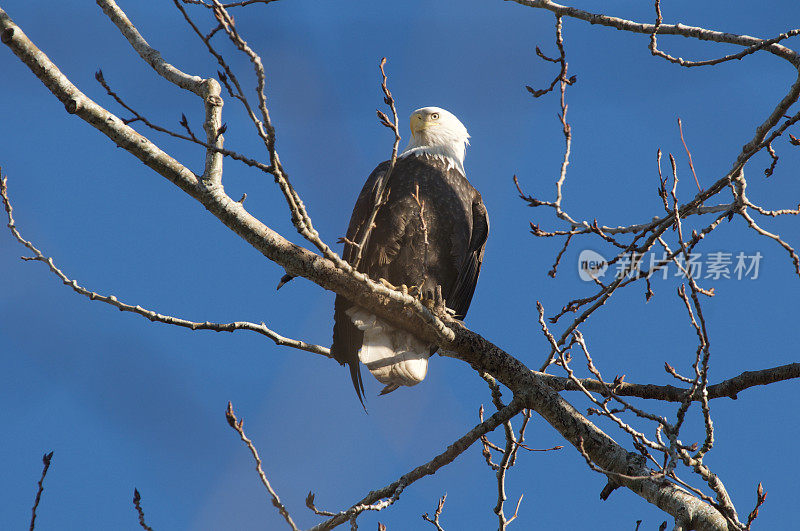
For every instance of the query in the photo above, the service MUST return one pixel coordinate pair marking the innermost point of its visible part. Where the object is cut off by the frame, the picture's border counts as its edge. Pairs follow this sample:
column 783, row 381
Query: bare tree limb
column 228, row 5
column 761, row 497
column 729, row 388
column 190, row 138
column 378, row 499
column 46, row 458
column 663, row 29
column 238, row 426
column 144, row 312
column 436, row 514
column 137, row 503
column 149, row 54
column 679, row 60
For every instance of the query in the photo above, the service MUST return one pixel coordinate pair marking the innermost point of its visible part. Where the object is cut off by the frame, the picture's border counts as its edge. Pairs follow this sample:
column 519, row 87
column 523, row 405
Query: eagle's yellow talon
column 387, row 284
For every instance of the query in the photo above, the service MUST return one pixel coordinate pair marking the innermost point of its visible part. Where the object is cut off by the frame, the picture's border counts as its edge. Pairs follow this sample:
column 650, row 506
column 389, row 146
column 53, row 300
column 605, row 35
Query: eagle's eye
column 435, row 116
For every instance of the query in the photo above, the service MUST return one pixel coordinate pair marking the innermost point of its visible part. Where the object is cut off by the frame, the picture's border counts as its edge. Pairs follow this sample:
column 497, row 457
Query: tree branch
column 46, row 458
column 137, row 504
column 728, row 388
column 149, row 54
column 390, row 493
column 436, row 514
column 144, row 312
column 663, row 29
column 680, row 61
column 238, row 426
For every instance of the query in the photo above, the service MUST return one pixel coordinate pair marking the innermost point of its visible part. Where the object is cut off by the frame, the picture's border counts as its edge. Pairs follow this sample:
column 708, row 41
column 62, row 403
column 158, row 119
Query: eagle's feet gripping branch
column 434, row 301
column 385, row 283
column 414, row 291
column 431, row 299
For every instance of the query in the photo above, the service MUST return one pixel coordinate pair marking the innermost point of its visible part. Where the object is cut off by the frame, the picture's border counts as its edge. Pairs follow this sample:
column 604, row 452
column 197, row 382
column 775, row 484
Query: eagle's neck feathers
column 450, row 157
column 445, row 144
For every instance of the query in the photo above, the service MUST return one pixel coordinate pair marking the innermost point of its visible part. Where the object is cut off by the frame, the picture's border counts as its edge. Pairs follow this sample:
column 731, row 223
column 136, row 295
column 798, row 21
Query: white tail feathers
column 393, row 356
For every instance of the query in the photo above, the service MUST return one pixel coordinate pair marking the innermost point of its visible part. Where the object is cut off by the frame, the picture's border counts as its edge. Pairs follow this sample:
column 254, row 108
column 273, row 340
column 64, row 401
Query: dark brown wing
column 461, row 296
column 363, row 208
column 347, row 338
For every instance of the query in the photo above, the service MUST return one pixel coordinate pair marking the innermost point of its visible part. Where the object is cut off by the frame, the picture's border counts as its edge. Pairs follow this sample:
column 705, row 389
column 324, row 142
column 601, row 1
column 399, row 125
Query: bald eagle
column 429, row 231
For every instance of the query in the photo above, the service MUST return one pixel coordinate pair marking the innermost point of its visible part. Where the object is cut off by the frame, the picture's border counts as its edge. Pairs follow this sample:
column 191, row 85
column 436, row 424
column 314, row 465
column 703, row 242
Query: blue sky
column 125, row 403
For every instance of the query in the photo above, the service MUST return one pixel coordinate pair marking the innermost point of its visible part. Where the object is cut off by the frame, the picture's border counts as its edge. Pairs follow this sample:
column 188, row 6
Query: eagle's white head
column 438, row 133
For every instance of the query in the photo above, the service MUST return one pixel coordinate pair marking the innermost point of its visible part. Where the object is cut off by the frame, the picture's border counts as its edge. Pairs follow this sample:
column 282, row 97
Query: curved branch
column 144, row 312
column 137, row 504
column 393, row 490
column 150, row 55
column 238, row 426
column 729, row 388
column 663, row 29
column 46, row 458
column 710, row 62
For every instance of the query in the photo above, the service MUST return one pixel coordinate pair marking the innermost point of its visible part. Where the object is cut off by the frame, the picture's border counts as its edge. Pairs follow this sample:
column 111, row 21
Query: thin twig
column 137, row 503
column 689, row 153
column 46, row 462
column 190, row 137
column 382, row 186
column 710, row 62
column 144, row 312
column 311, row 505
column 385, row 496
column 238, row 426
column 436, row 514
column 664, row 29
column 228, row 5
column 761, row 497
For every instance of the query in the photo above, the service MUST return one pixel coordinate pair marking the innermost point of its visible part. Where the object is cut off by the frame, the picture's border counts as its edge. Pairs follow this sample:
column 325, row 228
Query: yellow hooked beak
column 420, row 122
